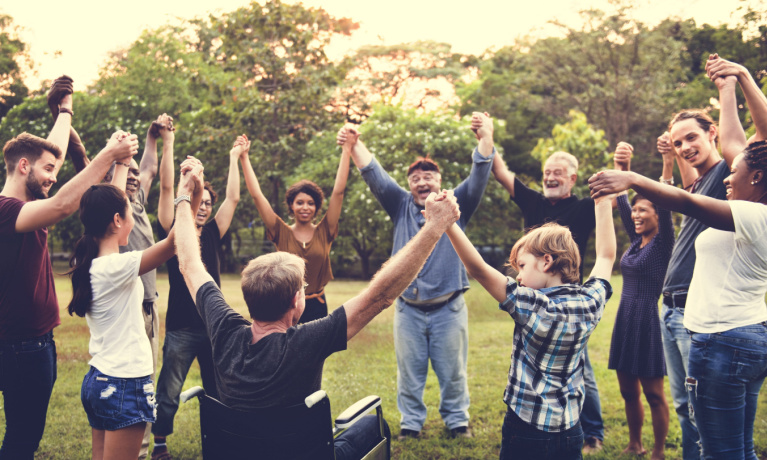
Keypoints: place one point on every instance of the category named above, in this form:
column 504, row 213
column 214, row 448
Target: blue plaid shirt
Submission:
column 443, row 271
column 552, row 327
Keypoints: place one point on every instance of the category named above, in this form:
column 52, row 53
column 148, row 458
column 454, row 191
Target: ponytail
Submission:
column 98, row 206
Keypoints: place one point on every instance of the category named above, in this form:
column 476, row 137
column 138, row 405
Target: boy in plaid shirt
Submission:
column 554, row 317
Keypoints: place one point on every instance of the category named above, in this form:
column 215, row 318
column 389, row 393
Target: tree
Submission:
column 14, row 59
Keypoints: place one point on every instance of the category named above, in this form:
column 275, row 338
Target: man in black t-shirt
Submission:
column 272, row 361
column 558, row 204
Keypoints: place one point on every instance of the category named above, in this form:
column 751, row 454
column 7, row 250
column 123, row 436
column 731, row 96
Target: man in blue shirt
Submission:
column 431, row 321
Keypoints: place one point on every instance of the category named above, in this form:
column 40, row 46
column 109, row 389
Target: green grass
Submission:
column 369, row 367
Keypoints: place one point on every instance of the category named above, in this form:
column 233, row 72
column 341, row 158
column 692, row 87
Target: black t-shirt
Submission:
column 576, row 214
column 182, row 313
column 280, row 369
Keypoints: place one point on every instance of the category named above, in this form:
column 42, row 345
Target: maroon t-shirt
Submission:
column 28, row 304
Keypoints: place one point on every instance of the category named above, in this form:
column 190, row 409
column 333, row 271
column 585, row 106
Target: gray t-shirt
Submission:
column 281, row 369
column 680, row 267
column 141, row 238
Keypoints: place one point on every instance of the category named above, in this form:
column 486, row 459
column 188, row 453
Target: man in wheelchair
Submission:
column 270, row 362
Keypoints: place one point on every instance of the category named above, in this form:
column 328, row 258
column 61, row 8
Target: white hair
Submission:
column 568, row 158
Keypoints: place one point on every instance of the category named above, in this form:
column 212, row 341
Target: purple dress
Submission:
column 637, row 346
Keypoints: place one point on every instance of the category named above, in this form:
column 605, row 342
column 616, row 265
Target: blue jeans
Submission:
column 178, row 352
column 27, row 375
column 359, row 438
column 676, row 348
column 591, row 414
column 522, row 441
column 726, row 371
column 441, row 336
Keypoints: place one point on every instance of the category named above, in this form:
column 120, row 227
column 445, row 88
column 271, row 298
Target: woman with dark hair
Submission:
column 304, row 238
column 725, row 309
column 117, row 392
column 636, row 350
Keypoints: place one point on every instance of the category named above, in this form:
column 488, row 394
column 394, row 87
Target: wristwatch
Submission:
column 182, row 198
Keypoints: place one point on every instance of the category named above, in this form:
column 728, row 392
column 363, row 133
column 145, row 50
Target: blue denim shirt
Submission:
column 443, row 272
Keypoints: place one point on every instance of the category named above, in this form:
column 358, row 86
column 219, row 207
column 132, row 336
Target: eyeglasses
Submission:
column 206, row 204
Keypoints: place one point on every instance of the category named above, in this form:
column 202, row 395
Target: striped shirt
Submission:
column 545, row 386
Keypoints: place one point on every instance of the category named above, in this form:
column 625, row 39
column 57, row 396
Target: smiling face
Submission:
column 558, row 180
column 738, row 183
column 531, row 270
column 422, row 183
column 645, row 218
column 41, row 176
column 134, row 181
column 304, row 208
column 694, row 143
column 205, row 209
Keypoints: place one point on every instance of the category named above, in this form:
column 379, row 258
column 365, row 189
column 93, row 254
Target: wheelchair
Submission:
column 301, row 431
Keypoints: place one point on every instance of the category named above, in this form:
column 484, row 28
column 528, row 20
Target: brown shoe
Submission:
column 461, row 432
column 592, row 446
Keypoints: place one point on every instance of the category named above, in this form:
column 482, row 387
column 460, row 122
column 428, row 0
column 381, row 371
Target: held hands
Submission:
column 605, row 184
column 482, row 125
column 722, row 72
column 163, row 128
column 60, row 94
column 240, row 147
column 121, row 146
column 622, row 156
column 191, row 180
column 347, row 136
column 442, row 209
column 664, row 145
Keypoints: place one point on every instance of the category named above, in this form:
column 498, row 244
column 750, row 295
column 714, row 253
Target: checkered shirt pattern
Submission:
column 552, row 327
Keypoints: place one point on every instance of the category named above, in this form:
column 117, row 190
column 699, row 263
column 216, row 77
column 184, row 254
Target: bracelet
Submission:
column 666, row 181
column 182, row 198
column 127, row 165
column 66, row 110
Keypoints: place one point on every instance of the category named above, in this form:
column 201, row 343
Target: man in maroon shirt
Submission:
column 29, row 309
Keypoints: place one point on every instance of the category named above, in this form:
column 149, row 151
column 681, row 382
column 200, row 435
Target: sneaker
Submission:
column 592, row 446
column 461, row 432
column 405, row 434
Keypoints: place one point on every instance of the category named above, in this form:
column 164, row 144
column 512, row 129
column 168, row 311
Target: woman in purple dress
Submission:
column 636, row 351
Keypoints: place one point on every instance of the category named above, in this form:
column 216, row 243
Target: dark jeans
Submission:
column 522, row 441
column 359, row 438
column 725, row 372
column 27, row 375
column 315, row 309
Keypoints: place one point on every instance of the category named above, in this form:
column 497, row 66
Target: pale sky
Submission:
column 75, row 36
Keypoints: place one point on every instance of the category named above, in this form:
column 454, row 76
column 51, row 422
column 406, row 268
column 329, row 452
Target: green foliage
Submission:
column 14, row 58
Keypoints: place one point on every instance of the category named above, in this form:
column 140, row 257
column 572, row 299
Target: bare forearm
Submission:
column 165, row 205
column 491, row 279
column 262, row 204
column 233, row 181
column 60, row 136
column 76, row 151
column 188, row 248
column 668, row 167
column 120, row 176
column 361, row 155
column 149, row 161
column 604, row 243
column 502, row 174
column 731, row 134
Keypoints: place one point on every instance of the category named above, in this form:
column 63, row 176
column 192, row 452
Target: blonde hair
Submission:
column 269, row 283
column 555, row 240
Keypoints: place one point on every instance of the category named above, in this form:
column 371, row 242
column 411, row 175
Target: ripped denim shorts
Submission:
column 112, row 403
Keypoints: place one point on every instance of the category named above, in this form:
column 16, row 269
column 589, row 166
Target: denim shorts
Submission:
column 112, row 403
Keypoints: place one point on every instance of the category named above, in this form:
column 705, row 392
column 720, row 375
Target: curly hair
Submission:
column 755, row 156
column 556, row 241
column 308, row 187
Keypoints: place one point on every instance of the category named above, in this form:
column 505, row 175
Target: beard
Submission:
column 35, row 188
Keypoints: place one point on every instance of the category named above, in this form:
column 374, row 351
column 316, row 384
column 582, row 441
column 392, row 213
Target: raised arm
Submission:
column 165, row 206
column 491, row 279
column 120, row 174
column 717, row 67
column 732, row 138
column 186, row 240
column 396, row 274
column 503, row 175
column 339, row 187
column 360, row 154
column 254, row 188
column 60, row 133
column 482, row 125
column 43, row 213
column 669, row 153
column 149, row 164
column 710, row 211
column 604, row 241
column 225, row 212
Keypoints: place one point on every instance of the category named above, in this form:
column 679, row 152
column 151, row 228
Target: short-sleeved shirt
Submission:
column 316, row 252
column 182, row 313
column 552, row 326
column 730, row 278
column 119, row 345
column 28, row 304
column 572, row 212
column 680, row 267
column 142, row 237
column 280, row 369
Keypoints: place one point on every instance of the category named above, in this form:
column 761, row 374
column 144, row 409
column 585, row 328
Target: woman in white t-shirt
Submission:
column 726, row 311
column 117, row 393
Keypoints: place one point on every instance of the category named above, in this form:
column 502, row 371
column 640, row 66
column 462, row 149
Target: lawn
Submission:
column 368, row 367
